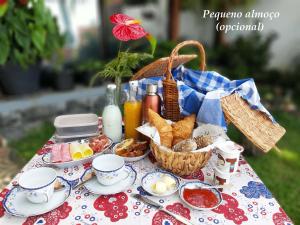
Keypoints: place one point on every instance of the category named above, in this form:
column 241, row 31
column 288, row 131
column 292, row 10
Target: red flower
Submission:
column 196, row 175
column 177, row 208
column 280, row 218
column 113, row 206
column 87, row 165
column 2, row 2
column 43, row 150
column 46, row 148
column 230, row 209
column 127, row 28
column 2, row 196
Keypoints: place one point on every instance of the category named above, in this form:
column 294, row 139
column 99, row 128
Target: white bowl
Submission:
column 151, row 178
column 131, row 159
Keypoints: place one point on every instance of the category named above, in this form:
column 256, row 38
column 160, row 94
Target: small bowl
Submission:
column 131, row 159
column 150, row 178
column 197, row 185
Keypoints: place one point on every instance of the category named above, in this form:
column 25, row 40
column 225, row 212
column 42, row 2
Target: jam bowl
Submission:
column 197, row 197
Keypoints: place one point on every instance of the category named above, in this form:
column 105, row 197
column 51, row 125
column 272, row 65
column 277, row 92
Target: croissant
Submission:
column 164, row 129
column 183, row 129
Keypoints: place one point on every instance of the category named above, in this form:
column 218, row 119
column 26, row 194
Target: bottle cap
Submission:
column 151, row 89
column 111, row 87
column 133, row 85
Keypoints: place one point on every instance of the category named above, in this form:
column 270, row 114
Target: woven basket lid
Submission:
column 255, row 125
column 159, row 67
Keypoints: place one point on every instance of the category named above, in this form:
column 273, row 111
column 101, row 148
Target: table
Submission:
column 247, row 202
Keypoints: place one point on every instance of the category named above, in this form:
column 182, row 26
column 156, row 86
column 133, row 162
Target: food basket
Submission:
column 181, row 163
column 255, row 125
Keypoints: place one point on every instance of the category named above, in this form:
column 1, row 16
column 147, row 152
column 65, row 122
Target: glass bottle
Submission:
column 132, row 112
column 111, row 116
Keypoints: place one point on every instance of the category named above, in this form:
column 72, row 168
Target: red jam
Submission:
column 202, row 198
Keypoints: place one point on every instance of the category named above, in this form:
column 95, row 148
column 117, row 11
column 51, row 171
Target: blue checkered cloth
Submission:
column 200, row 93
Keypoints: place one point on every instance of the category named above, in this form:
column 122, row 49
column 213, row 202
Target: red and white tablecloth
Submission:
column 247, row 202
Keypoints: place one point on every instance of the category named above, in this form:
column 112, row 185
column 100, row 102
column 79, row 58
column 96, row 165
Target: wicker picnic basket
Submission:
column 255, row 125
column 181, row 163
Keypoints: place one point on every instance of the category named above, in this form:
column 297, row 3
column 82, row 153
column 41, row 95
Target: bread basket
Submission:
column 181, row 163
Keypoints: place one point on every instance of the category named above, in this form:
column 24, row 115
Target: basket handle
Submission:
column 175, row 53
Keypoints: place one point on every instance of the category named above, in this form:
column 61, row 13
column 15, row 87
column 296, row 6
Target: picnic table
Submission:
column 248, row 201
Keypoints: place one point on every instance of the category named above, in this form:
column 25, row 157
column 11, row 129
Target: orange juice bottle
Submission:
column 132, row 112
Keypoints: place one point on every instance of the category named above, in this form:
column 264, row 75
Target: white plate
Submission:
column 95, row 187
column 151, row 178
column 199, row 184
column 16, row 203
column 131, row 159
column 47, row 158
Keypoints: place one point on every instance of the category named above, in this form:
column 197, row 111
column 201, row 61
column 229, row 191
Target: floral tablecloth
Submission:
column 247, row 202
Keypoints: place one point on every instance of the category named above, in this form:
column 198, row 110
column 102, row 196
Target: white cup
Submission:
column 38, row 184
column 110, row 169
column 221, row 178
column 228, row 156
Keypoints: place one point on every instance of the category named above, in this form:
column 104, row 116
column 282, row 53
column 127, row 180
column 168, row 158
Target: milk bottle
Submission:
column 111, row 116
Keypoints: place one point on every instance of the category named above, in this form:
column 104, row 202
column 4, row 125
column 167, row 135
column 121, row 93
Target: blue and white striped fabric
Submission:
column 200, row 93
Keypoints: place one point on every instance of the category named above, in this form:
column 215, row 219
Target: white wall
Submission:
column 287, row 26
column 82, row 13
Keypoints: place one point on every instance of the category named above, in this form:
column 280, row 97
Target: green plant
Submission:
column 122, row 66
column 28, row 32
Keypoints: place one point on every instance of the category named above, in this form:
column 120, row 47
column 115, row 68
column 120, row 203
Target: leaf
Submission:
column 22, row 40
column 5, row 47
column 153, row 42
column 38, row 38
column 20, row 58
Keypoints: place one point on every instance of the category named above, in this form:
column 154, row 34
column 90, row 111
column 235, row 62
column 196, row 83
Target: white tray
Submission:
column 47, row 158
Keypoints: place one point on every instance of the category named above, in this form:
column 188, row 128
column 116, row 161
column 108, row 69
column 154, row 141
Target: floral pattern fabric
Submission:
column 255, row 190
column 53, row 217
column 247, row 202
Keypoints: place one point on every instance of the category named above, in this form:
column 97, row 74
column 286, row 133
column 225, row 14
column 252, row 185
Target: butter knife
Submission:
column 161, row 208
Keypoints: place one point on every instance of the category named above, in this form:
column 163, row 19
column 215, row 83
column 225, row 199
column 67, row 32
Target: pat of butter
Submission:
column 169, row 181
column 159, row 187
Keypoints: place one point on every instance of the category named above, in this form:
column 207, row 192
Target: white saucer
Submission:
column 151, row 178
column 16, row 203
column 95, row 187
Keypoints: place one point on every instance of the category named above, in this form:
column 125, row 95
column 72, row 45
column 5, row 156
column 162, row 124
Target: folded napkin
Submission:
column 200, row 93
